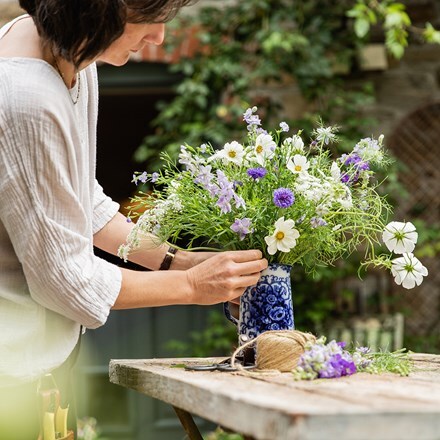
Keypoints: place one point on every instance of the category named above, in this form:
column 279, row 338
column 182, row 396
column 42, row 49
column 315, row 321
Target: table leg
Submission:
column 188, row 424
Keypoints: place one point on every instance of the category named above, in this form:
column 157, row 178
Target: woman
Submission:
column 52, row 210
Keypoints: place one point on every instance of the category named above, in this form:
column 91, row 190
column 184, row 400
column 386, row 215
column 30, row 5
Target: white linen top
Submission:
column 50, row 206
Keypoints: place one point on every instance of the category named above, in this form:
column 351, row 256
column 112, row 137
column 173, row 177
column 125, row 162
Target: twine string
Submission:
column 276, row 349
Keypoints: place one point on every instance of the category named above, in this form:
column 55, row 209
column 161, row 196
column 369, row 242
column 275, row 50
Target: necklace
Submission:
column 78, row 81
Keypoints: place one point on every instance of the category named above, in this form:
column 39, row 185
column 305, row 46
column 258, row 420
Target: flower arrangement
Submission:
column 294, row 202
column 331, row 360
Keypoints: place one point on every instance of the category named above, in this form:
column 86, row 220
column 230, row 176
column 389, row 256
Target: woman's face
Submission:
column 134, row 38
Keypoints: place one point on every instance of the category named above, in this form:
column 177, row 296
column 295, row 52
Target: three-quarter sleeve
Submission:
column 104, row 208
column 51, row 206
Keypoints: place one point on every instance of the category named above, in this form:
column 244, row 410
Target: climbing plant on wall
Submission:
column 247, row 45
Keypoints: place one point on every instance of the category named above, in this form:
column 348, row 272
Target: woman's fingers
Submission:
column 225, row 276
column 242, row 256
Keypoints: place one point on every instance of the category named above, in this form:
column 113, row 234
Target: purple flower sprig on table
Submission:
column 333, row 360
column 325, row 361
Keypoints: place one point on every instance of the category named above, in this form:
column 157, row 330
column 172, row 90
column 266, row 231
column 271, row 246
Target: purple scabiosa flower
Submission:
column 256, row 173
column 283, row 197
column 242, row 227
column 284, row 126
column 316, row 222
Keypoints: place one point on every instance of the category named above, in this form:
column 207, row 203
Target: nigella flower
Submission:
column 154, row 177
column 284, row 126
column 325, row 134
column 203, row 148
column 400, row 237
column 408, row 271
column 242, row 227
column 283, row 197
column 369, row 149
column 256, row 173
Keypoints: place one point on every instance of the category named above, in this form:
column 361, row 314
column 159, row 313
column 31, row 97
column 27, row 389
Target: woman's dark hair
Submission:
column 80, row 30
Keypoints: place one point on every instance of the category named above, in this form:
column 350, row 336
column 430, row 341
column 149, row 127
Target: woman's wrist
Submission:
column 168, row 258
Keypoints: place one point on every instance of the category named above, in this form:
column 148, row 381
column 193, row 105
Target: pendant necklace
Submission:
column 78, row 80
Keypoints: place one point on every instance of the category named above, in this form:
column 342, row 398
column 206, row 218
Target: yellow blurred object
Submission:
column 49, row 426
column 61, row 421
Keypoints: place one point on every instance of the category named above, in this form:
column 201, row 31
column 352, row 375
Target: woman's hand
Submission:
column 224, row 276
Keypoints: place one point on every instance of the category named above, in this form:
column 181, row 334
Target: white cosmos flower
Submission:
column 293, row 144
column 298, row 164
column 408, row 271
column 231, row 152
column 400, row 237
column 335, row 171
column 264, row 148
column 284, row 237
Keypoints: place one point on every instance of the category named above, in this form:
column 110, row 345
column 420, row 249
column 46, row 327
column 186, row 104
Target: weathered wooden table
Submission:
column 275, row 407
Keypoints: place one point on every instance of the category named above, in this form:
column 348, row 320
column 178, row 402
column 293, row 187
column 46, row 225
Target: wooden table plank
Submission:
column 275, row 407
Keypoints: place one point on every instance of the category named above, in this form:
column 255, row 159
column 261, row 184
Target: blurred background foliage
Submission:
column 246, row 49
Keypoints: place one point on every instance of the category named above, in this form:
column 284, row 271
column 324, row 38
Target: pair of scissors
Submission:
column 221, row 366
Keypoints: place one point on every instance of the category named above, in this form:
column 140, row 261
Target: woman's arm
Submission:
column 115, row 232
column 223, row 277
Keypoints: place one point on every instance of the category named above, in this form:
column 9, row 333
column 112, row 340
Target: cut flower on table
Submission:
column 281, row 194
column 322, row 360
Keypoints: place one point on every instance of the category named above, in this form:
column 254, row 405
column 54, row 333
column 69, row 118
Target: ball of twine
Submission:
column 277, row 349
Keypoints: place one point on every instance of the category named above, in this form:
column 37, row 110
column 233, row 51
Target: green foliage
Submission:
column 217, row 339
column 397, row 362
column 219, row 434
column 395, row 21
column 249, row 46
